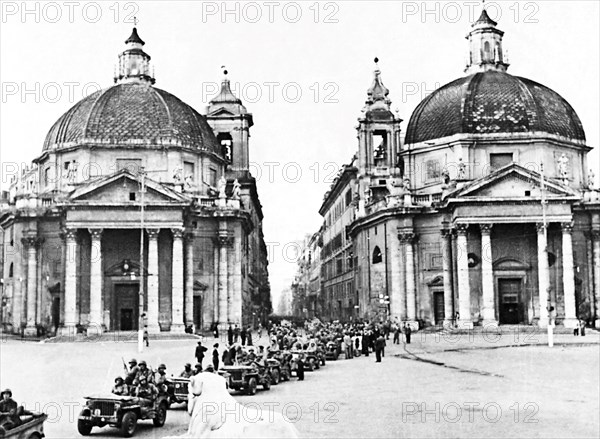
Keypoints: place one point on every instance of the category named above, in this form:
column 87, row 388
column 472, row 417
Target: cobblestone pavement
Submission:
column 468, row 388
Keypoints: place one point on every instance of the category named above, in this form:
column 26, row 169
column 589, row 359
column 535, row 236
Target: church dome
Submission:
column 493, row 102
column 132, row 113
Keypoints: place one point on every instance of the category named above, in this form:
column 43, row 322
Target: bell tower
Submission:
column 231, row 123
column 378, row 132
column 485, row 47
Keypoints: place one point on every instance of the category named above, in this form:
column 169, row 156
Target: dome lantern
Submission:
column 134, row 63
column 485, row 47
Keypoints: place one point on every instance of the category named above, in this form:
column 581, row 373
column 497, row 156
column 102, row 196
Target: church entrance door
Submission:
column 438, row 307
column 509, row 292
column 198, row 313
column 127, row 306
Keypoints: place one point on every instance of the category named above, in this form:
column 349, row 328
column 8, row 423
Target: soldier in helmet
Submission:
column 146, row 392
column 187, row 371
column 160, row 378
column 133, row 370
column 9, row 417
column 145, row 372
column 197, row 368
column 120, row 387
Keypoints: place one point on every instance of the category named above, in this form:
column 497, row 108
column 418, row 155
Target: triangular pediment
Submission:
column 124, row 187
column 222, row 112
column 513, row 181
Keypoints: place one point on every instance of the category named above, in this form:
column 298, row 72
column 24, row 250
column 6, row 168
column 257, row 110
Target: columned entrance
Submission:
column 126, row 307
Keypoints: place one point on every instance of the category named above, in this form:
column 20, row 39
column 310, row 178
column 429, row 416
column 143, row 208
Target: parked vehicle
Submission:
column 332, row 351
column 122, row 412
column 31, row 428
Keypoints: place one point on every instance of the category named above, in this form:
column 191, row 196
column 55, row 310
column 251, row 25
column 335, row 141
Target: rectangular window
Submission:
column 131, row 196
column 189, row 171
column 134, row 166
column 212, row 177
column 433, row 169
column 348, row 198
column 500, row 160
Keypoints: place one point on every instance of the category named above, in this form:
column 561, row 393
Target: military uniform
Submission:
column 146, row 393
column 121, row 389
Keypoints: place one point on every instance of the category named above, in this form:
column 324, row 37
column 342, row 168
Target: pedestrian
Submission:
column 249, row 336
column 236, row 333
column 146, row 338
column 229, row 336
column 582, row 328
column 379, row 345
column 215, row 356
column 226, row 358
column 300, row 368
column 216, row 330
column 260, row 329
column 200, row 350
column 396, row 334
column 365, row 344
column 243, row 336
column 407, row 333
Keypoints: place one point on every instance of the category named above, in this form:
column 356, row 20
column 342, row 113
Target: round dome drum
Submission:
column 132, row 113
column 493, row 102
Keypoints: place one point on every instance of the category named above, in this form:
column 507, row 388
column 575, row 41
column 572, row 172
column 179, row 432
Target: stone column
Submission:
column 408, row 239
column 464, row 288
column 153, row 281
column 487, row 275
column 570, row 320
column 596, row 268
column 224, row 242
column 177, row 282
column 189, row 280
column 31, row 243
column 397, row 304
column 447, row 273
column 96, row 318
column 70, row 319
column 543, row 274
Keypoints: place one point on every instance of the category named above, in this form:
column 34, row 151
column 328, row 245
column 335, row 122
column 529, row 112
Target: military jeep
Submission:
column 177, row 390
column 122, row 412
column 247, row 378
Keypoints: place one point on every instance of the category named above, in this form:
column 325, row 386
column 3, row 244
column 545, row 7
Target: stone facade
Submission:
column 486, row 214
column 147, row 206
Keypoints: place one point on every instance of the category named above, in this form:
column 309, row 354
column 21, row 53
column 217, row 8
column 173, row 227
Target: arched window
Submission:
column 486, row 50
column 377, row 257
column 10, row 270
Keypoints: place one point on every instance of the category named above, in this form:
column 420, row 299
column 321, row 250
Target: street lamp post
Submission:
column 142, row 176
column 548, row 300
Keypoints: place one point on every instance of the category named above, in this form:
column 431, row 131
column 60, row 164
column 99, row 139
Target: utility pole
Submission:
column 141, row 325
column 548, row 299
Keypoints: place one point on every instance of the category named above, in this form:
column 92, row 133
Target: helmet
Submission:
column 198, row 366
column 162, row 366
column 210, row 368
column 6, row 391
column 133, row 361
column 143, row 363
column 187, row 365
column 117, row 379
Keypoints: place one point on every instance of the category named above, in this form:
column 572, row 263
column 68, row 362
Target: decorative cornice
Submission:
column 153, row 233
column 96, row 234
column 541, row 227
column 407, row 237
column 177, row 233
column 486, row 229
column 567, row 227
column 461, row 229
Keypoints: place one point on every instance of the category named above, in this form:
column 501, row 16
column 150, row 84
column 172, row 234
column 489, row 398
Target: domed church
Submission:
column 484, row 213
column 139, row 210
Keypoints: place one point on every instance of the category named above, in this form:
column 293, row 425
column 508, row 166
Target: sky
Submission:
column 302, row 69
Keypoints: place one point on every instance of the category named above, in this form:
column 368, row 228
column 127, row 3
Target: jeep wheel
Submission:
column 267, row 382
column 84, row 427
column 251, row 387
column 275, row 377
column 161, row 415
column 128, row 424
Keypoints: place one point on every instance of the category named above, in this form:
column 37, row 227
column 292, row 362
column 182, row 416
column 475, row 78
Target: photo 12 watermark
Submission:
column 67, row 12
